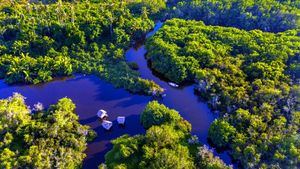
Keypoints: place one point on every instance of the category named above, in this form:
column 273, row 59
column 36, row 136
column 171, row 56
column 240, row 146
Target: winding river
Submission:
column 90, row 93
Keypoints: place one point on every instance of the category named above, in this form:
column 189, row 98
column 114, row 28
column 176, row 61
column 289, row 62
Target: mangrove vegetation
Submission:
column 250, row 77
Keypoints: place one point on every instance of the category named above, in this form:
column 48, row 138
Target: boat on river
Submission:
column 106, row 124
column 102, row 114
column 173, row 84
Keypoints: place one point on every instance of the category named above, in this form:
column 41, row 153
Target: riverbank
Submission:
column 90, row 94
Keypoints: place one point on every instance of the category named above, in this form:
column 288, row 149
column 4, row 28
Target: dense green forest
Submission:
column 266, row 15
column 38, row 138
column 242, row 55
column 166, row 144
column 248, row 76
column 41, row 41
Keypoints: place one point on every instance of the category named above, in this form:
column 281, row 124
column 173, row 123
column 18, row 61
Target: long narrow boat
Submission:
column 173, row 84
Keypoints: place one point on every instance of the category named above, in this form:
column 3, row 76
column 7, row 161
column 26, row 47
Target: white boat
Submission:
column 102, row 114
column 121, row 119
column 173, row 84
column 106, row 124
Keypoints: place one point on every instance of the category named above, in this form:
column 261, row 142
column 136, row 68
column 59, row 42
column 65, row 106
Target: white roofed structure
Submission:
column 102, row 114
column 121, row 119
column 106, row 124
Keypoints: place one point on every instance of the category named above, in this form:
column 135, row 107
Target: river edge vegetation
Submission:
column 251, row 82
column 250, row 77
column 41, row 41
column 38, row 138
column 166, row 144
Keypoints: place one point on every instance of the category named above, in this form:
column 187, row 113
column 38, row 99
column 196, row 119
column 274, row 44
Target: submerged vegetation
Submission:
column 166, row 144
column 42, row 41
column 249, row 76
column 38, row 138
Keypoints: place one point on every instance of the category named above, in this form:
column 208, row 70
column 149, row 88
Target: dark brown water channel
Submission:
column 90, row 94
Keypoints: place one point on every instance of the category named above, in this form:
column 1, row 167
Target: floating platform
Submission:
column 121, row 120
column 107, row 124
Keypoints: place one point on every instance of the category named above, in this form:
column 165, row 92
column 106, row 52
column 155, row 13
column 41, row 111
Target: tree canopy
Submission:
column 165, row 144
column 51, row 138
column 248, row 76
column 243, row 56
column 266, row 15
column 41, row 41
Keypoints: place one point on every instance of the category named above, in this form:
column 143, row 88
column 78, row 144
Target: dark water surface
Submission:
column 90, row 94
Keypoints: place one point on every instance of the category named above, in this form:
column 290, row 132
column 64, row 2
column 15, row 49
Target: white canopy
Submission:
column 106, row 124
column 102, row 113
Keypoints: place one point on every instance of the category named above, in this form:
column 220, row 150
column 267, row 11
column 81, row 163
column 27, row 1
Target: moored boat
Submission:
column 173, row 84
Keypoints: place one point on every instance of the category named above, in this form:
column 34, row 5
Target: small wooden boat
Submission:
column 106, row 124
column 121, row 120
column 173, row 84
column 102, row 114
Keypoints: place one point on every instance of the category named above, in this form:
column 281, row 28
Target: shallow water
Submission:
column 90, row 94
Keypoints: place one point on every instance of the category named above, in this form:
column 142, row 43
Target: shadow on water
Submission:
column 90, row 94
column 89, row 120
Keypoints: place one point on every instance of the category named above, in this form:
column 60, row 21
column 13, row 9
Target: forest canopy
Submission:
column 166, row 144
column 41, row 138
column 249, row 76
column 41, row 41
column 242, row 55
column 266, row 15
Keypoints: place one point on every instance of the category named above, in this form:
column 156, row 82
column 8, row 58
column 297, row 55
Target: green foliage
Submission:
column 266, row 15
column 221, row 132
column 249, row 76
column 157, row 114
column 165, row 144
column 153, row 6
column 126, row 150
column 43, row 41
column 45, row 139
column 205, row 159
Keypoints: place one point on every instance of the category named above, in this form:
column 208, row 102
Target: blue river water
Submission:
column 90, row 94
